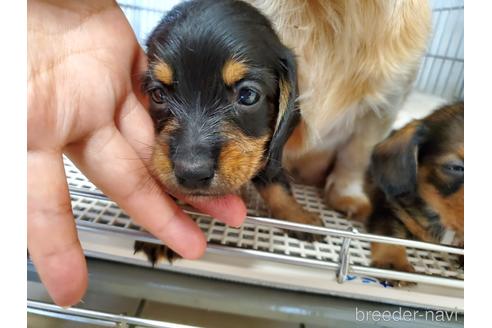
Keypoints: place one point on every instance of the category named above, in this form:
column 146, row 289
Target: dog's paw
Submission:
column 357, row 207
column 305, row 217
column 305, row 236
column 155, row 252
column 391, row 265
column 461, row 261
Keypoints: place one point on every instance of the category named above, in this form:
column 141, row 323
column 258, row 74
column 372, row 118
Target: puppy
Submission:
column 357, row 61
column 417, row 185
column 223, row 99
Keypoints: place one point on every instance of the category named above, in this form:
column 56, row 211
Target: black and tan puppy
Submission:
column 223, row 94
column 418, row 185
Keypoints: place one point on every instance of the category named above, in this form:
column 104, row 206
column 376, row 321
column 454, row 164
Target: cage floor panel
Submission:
column 103, row 213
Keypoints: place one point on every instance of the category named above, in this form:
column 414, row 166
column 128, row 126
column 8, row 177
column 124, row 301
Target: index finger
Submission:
column 51, row 235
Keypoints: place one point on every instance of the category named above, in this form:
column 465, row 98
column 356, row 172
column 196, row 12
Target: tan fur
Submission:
column 285, row 89
column 357, row 61
column 399, row 140
column 160, row 159
column 349, row 51
column 233, row 71
column 163, row 72
column 296, row 139
column 240, row 158
column 315, row 167
column 284, row 206
column 354, row 207
column 450, row 208
column 344, row 188
column 391, row 257
column 161, row 163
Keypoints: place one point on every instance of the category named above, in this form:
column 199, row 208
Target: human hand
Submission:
column 84, row 65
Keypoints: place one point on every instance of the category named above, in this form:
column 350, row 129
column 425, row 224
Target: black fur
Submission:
column 396, row 172
column 196, row 38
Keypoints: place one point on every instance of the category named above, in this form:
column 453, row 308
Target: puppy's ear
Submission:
column 288, row 114
column 394, row 162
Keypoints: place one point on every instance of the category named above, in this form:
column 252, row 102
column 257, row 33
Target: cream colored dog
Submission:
column 357, row 61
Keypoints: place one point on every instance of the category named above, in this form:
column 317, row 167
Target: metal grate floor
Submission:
column 263, row 238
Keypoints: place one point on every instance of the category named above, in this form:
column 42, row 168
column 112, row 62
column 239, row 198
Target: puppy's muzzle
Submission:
column 194, row 171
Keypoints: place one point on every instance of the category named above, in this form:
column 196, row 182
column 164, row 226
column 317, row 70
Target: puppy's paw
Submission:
column 393, row 265
column 356, row 206
column 461, row 261
column 391, row 257
column 155, row 252
column 304, row 236
column 305, row 217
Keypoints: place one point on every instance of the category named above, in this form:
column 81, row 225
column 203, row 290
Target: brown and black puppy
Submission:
column 223, row 94
column 417, row 185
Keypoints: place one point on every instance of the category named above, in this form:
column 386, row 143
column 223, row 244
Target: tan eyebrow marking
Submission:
column 233, row 71
column 163, row 72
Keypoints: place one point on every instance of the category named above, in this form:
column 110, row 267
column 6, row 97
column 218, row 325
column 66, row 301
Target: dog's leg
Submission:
column 344, row 188
column 385, row 256
column 391, row 257
column 278, row 196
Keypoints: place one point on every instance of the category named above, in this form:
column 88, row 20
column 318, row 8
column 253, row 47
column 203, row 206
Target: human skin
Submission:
column 84, row 65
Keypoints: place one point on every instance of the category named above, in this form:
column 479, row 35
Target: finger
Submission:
column 51, row 235
column 137, row 128
column 109, row 161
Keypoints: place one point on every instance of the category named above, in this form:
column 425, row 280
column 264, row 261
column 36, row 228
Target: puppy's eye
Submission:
column 157, row 96
column 247, row 97
column 455, row 169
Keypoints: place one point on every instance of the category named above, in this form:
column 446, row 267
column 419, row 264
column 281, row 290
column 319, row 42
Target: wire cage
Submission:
column 264, row 254
column 441, row 72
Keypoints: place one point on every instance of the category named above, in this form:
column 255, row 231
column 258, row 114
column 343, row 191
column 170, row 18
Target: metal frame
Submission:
column 353, row 234
column 95, row 317
column 127, row 280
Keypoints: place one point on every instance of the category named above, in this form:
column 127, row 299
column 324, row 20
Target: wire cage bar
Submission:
column 442, row 69
column 93, row 317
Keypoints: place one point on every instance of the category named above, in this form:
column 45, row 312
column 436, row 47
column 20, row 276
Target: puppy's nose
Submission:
column 194, row 174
